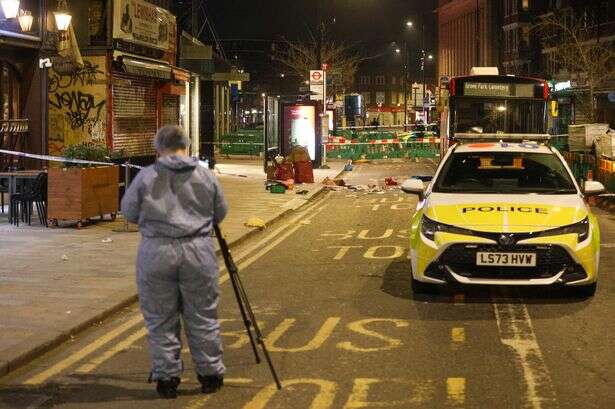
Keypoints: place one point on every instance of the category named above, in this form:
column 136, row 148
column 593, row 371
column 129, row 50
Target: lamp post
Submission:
column 409, row 25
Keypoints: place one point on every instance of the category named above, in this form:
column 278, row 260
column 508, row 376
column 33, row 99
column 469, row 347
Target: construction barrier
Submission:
column 582, row 165
column 606, row 174
column 243, row 142
column 342, row 148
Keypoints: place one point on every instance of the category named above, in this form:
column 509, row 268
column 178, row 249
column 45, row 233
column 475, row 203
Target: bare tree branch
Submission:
column 575, row 50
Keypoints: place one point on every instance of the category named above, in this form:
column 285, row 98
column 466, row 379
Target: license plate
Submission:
column 506, row 259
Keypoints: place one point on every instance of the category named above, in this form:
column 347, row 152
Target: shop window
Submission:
column 380, row 98
column 9, row 92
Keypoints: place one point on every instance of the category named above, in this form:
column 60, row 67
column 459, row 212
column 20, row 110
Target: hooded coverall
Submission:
column 175, row 203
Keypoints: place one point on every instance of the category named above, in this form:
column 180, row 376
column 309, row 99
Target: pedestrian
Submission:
column 176, row 202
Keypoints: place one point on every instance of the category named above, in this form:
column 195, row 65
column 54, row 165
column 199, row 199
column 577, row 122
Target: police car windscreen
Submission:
column 504, row 173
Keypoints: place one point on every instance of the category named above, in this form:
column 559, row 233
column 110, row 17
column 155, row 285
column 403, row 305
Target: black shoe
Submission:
column 167, row 389
column 211, row 383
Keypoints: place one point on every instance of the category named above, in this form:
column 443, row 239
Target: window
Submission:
column 380, row 80
column 504, row 173
column 364, row 80
column 393, row 80
column 9, row 92
column 366, row 98
column 525, row 4
column 380, row 98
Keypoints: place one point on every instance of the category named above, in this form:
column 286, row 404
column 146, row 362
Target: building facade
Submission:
column 469, row 35
column 521, row 44
column 24, row 46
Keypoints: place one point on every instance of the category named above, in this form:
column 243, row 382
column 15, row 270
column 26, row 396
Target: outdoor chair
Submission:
column 34, row 195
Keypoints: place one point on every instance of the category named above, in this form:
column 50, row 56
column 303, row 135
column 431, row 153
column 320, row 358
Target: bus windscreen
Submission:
column 498, row 115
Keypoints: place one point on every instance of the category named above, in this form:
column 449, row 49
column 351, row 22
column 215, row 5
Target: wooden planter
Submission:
column 78, row 194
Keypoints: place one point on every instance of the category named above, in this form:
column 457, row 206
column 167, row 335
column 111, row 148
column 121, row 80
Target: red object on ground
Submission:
column 390, row 181
column 304, row 172
column 284, row 171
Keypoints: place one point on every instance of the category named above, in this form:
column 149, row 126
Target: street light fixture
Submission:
column 409, row 24
column 25, row 20
column 10, row 8
column 62, row 16
column 430, row 56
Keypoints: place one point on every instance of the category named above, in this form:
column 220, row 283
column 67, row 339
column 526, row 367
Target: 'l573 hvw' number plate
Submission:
column 506, row 259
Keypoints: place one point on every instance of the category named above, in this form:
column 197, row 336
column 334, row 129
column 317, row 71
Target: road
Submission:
column 330, row 288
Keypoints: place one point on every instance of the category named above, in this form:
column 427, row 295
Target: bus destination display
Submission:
column 491, row 89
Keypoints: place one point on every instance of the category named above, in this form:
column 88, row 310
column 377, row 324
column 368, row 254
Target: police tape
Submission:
column 346, row 142
column 50, row 158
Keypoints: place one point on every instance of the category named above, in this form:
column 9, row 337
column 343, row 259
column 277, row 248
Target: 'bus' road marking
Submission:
column 516, row 332
column 138, row 318
column 198, row 402
column 82, row 353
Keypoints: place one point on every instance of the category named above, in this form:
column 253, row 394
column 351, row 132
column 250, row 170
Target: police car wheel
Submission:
column 419, row 287
column 584, row 291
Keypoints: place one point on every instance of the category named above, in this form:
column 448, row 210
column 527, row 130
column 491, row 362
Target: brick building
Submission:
column 469, row 34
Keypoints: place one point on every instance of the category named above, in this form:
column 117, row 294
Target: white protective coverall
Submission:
column 175, row 203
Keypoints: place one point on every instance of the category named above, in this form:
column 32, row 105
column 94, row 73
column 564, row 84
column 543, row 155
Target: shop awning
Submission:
column 146, row 68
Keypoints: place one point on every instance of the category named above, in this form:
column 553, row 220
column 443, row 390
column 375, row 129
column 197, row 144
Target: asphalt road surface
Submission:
column 330, row 286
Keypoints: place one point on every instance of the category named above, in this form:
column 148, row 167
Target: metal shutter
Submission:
column 170, row 109
column 134, row 114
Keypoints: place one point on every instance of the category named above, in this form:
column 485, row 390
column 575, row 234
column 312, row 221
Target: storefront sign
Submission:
column 142, row 23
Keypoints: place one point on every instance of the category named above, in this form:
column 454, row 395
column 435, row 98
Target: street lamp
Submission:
column 25, row 20
column 409, row 24
column 10, row 8
column 62, row 16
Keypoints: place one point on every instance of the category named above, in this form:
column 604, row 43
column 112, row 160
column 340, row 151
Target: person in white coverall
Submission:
column 175, row 202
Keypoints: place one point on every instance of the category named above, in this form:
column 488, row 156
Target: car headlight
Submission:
column 429, row 228
column 581, row 229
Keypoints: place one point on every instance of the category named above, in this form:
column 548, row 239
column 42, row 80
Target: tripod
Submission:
column 245, row 308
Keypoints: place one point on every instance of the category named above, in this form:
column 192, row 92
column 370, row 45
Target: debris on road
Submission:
column 107, row 240
column 255, row 222
column 64, row 257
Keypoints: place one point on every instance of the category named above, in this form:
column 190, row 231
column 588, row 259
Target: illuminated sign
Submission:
column 300, row 127
column 491, row 89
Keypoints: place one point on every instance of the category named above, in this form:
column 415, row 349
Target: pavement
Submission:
column 56, row 282
column 330, row 288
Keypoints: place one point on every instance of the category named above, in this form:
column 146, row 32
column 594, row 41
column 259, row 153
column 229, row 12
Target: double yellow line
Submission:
column 273, row 239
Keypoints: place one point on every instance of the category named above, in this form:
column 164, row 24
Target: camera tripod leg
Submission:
column 247, row 320
column 252, row 319
column 244, row 305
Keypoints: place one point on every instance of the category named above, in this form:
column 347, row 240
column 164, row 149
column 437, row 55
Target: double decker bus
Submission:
column 490, row 104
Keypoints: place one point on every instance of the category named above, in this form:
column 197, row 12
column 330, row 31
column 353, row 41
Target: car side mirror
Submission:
column 592, row 188
column 415, row 187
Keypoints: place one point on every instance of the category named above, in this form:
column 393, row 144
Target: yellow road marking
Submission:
column 458, row 335
column 95, row 363
column 323, row 400
column 201, row 400
column 82, row 353
column 90, row 348
column 456, row 390
column 321, row 336
column 359, row 327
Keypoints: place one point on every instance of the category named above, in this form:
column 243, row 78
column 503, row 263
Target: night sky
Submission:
column 367, row 25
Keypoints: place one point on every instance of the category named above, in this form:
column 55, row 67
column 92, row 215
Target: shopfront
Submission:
column 22, row 84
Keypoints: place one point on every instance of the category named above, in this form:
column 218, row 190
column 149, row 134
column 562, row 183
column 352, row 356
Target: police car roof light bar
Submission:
column 503, row 137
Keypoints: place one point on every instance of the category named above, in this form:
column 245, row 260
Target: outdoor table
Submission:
column 13, row 176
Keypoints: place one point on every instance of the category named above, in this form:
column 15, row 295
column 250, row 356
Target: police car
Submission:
column 504, row 213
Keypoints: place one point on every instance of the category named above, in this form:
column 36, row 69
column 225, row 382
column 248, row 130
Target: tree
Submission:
column 301, row 57
column 575, row 48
